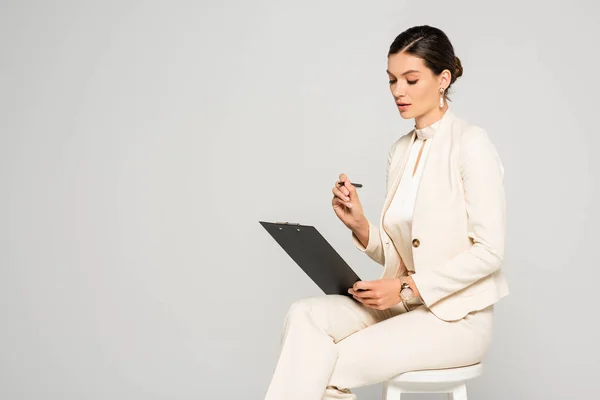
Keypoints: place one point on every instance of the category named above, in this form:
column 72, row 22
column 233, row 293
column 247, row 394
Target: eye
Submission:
column 412, row 82
column 392, row 81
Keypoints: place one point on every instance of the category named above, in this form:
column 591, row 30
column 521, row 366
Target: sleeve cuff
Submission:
column 373, row 236
column 427, row 294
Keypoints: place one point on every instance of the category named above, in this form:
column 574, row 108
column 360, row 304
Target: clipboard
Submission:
column 317, row 258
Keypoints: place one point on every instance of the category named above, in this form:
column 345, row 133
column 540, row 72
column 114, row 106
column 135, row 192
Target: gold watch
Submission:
column 406, row 292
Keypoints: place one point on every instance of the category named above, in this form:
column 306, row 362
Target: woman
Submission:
column 440, row 240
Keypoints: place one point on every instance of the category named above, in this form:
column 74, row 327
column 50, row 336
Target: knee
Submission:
column 315, row 307
column 301, row 306
column 298, row 312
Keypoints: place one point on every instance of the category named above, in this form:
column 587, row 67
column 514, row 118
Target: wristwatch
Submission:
column 406, row 293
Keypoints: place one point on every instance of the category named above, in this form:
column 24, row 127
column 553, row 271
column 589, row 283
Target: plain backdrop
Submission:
column 142, row 141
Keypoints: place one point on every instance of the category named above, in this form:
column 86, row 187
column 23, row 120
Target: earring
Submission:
column 441, row 97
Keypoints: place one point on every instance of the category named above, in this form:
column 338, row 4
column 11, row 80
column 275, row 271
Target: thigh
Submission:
column 410, row 341
column 337, row 315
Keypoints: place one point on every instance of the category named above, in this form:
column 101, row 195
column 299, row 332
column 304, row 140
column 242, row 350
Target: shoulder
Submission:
column 470, row 136
column 474, row 143
column 464, row 129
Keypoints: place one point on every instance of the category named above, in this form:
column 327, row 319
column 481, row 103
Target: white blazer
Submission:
column 459, row 221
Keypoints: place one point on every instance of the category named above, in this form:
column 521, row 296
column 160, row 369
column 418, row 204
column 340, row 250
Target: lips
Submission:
column 403, row 106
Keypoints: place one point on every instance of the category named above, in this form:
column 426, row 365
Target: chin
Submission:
column 406, row 114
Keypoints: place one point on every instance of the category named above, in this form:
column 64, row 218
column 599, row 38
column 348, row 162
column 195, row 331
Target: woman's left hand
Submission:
column 381, row 294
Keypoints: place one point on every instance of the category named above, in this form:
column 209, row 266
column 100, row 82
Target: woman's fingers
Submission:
column 344, row 194
column 363, row 294
column 338, row 202
column 339, row 193
column 340, row 197
column 342, row 188
column 343, row 184
column 351, row 191
column 373, row 303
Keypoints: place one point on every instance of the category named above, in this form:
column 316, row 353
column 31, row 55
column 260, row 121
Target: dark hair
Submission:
column 433, row 46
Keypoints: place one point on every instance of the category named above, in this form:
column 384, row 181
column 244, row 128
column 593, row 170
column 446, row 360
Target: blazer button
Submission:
column 416, row 242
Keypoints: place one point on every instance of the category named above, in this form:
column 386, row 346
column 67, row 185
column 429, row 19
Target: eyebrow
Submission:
column 404, row 73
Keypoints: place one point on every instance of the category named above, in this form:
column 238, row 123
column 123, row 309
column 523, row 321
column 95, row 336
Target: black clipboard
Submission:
column 317, row 258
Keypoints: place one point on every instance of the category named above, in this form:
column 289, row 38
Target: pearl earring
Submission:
column 441, row 97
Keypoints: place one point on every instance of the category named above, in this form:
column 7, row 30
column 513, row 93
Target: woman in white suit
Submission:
column 440, row 240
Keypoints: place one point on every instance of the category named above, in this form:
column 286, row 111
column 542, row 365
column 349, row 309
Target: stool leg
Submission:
column 391, row 392
column 459, row 393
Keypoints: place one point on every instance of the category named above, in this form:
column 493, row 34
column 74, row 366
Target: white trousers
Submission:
column 332, row 343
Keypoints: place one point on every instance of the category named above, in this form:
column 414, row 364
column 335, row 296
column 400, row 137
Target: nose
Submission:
column 397, row 91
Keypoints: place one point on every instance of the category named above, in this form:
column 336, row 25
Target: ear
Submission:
column 445, row 78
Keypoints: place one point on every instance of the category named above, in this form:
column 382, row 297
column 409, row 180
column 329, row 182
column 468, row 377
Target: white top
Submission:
column 398, row 218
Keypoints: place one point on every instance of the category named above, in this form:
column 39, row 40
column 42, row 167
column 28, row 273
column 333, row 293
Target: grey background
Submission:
column 141, row 141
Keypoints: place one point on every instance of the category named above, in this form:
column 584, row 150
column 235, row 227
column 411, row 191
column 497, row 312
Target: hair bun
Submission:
column 458, row 71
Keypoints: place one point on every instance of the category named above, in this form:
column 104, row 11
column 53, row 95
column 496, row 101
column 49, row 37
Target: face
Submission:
column 412, row 83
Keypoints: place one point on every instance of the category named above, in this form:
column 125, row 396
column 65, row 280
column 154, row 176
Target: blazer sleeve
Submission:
column 482, row 174
column 374, row 247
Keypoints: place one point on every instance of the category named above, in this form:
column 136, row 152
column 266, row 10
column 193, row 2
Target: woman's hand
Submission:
column 346, row 203
column 382, row 293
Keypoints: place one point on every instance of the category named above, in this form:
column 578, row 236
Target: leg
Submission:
column 311, row 330
column 460, row 393
column 410, row 341
column 391, row 392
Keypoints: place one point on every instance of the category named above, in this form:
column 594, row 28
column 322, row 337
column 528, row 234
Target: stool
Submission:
column 451, row 381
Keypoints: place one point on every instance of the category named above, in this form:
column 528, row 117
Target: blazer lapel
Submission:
column 425, row 178
column 397, row 174
column 425, row 190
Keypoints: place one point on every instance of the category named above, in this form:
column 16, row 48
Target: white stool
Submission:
column 451, row 381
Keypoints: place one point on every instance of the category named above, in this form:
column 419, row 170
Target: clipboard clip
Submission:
column 296, row 224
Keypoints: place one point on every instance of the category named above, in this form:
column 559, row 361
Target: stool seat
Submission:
column 440, row 375
column 450, row 380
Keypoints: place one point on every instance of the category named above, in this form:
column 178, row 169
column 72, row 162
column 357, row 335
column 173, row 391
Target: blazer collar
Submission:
column 428, row 131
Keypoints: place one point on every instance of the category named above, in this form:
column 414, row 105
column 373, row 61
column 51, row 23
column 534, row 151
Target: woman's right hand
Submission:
column 346, row 203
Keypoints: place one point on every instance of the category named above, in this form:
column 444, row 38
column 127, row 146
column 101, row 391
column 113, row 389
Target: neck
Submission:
column 430, row 117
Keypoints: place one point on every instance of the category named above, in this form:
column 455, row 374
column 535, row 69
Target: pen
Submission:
column 358, row 185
